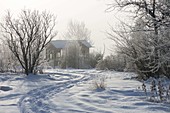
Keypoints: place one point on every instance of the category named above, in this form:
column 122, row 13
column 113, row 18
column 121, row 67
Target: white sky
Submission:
column 91, row 12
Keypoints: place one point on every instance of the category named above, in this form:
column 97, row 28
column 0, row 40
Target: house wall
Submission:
column 53, row 55
column 84, row 50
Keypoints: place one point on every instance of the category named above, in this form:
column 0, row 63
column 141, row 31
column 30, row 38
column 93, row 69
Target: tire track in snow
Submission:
column 37, row 100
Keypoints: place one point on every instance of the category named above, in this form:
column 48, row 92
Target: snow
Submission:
column 72, row 91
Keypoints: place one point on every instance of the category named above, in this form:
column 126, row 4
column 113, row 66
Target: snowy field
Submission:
column 72, row 91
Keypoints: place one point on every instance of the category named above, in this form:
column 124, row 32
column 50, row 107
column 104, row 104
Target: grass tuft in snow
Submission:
column 99, row 83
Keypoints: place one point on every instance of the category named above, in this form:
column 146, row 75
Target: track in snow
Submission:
column 37, row 100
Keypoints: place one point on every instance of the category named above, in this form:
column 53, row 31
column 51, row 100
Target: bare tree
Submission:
column 155, row 13
column 146, row 49
column 28, row 35
column 77, row 31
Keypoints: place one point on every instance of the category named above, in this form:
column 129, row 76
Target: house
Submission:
column 58, row 50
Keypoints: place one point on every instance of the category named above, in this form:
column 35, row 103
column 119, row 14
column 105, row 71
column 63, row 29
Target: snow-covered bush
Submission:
column 112, row 62
column 148, row 59
column 94, row 58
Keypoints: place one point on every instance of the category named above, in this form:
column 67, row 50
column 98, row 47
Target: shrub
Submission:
column 159, row 91
column 112, row 62
column 94, row 58
column 99, row 83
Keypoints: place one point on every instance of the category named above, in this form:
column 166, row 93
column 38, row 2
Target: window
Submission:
column 58, row 54
column 51, row 55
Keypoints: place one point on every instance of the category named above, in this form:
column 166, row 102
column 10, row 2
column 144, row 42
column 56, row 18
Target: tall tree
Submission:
column 27, row 35
column 77, row 31
column 155, row 16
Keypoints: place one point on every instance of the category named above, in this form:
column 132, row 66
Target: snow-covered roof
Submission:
column 59, row 43
column 63, row 43
column 87, row 44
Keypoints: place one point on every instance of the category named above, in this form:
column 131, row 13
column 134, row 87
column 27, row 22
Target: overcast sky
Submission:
column 91, row 12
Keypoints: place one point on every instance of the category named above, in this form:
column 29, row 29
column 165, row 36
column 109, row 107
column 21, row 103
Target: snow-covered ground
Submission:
column 72, row 91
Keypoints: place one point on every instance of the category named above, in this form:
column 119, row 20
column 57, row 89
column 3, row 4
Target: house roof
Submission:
column 62, row 43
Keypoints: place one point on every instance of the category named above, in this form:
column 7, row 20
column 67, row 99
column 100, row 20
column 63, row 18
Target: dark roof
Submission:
column 63, row 43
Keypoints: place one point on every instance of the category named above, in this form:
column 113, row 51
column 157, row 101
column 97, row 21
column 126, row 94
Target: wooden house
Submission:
column 59, row 49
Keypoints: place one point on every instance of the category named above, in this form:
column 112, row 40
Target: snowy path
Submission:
column 37, row 100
